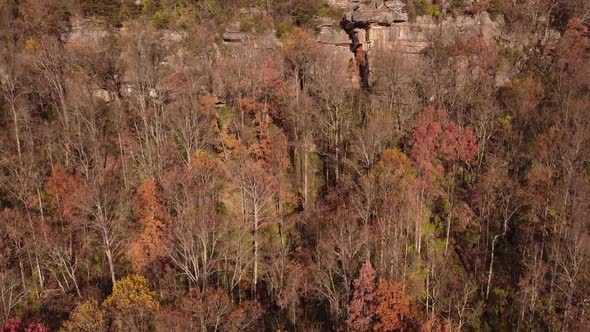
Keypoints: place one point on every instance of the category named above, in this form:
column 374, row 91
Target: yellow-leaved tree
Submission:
column 87, row 317
column 132, row 305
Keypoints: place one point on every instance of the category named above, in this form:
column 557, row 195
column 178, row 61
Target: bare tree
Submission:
column 335, row 120
column 258, row 190
column 11, row 294
column 508, row 209
column 105, row 207
column 199, row 231
column 338, row 255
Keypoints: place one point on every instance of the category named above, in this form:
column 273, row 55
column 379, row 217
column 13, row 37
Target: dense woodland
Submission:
column 261, row 189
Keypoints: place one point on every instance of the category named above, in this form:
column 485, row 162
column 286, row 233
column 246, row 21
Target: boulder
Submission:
column 102, row 94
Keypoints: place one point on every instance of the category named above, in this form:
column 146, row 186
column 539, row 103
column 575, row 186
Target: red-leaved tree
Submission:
column 439, row 142
column 360, row 309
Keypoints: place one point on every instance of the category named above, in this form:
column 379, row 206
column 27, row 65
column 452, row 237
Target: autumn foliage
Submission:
column 439, row 143
column 151, row 244
column 87, row 317
column 361, row 315
column 381, row 306
column 392, row 311
column 66, row 193
column 223, row 165
column 132, row 304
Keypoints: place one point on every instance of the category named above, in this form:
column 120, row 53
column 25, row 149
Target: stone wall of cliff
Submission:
column 379, row 27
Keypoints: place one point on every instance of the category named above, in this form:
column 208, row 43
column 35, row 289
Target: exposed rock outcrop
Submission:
column 330, row 33
column 233, row 34
column 387, row 13
column 379, row 26
column 386, row 27
column 336, row 45
column 85, row 31
column 341, row 3
column 383, row 26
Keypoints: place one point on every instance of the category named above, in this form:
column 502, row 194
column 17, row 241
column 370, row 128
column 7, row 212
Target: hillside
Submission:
column 294, row 165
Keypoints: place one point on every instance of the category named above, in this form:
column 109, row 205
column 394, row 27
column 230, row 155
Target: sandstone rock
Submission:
column 233, row 34
column 377, row 16
column 333, row 36
column 323, row 21
column 266, row 40
column 340, row 3
column 385, row 28
column 102, row 94
column 387, row 13
column 502, row 77
column 233, row 37
column 341, row 58
column 169, row 36
column 84, row 31
column 401, row 38
column 481, row 25
column 404, row 37
column 331, row 33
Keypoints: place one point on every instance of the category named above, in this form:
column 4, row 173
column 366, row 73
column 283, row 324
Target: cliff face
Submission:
column 412, row 38
column 384, row 26
column 378, row 26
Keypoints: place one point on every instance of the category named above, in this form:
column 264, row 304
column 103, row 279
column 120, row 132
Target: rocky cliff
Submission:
column 378, row 26
column 384, row 26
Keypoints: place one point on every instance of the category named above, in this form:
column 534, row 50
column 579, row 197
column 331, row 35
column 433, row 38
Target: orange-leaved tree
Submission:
column 65, row 192
column 151, row 243
column 392, row 308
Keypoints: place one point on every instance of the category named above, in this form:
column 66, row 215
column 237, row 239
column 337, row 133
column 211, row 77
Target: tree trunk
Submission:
column 255, row 277
column 305, row 179
column 449, row 217
column 109, row 254
column 16, row 131
column 491, row 270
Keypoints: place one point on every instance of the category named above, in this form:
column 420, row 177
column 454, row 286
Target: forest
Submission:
column 234, row 165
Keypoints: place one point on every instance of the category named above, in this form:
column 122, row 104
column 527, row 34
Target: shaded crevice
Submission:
column 362, row 60
column 359, row 50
